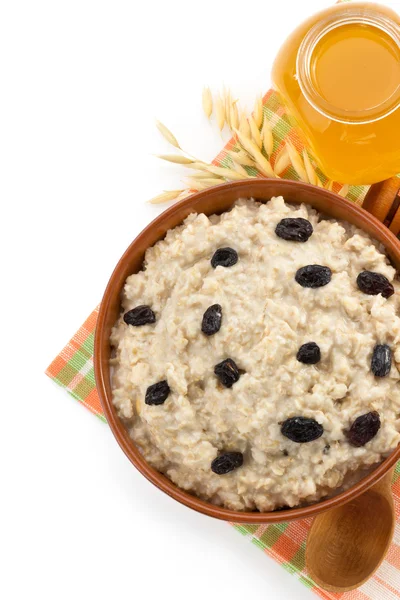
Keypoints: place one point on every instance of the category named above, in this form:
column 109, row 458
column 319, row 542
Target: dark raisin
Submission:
column 313, row 276
column 227, row 372
column 364, row 429
column 326, row 449
column 227, row 462
column 285, row 453
column 224, row 257
column 374, row 283
column 141, row 315
column 212, row 319
column 294, row 230
column 157, row 393
column 309, row 353
column 381, row 362
column 301, row 429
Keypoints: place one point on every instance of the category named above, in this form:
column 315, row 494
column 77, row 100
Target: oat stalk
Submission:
column 282, row 161
column 244, row 126
column 203, row 184
column 311, row 174
column 165, row 132
column 263, row 165
column 255, row 132
column 220, row 112
column 239, row 169
column 225, row 172
column 166, row 196
column 176, row 158
column 234, row 115
column 228, row 102
column 297, row 162
column 258, row 112
column 329, row 185
column 242, row 158
column 267, row 138
column 198, row 175
column 207, row 101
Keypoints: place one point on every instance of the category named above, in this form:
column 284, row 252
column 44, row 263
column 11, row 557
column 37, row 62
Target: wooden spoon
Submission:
column 346, row 545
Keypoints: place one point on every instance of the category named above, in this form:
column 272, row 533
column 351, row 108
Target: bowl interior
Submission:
column 217, row 200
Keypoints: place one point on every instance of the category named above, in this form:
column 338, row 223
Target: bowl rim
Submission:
column 101, row 367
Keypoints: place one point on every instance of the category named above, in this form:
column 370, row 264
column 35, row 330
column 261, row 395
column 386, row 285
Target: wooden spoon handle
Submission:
column 383, row 201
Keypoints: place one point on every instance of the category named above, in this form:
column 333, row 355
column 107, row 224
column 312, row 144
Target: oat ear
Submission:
column 165, row 132
column 207, row 102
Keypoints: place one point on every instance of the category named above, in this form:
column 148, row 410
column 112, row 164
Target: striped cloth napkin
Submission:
column 73, row 370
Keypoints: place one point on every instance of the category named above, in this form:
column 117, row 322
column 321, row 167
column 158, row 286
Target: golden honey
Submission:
column 339, row 74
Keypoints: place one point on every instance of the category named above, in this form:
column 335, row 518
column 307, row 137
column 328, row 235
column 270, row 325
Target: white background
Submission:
column 81, row 83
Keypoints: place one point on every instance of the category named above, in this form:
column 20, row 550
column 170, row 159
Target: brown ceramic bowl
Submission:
column 217, row 200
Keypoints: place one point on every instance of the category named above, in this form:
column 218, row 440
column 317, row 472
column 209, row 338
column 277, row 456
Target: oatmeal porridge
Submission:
column 256, row 357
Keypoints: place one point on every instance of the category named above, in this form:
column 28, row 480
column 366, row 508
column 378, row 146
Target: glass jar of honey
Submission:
column 339, row 75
